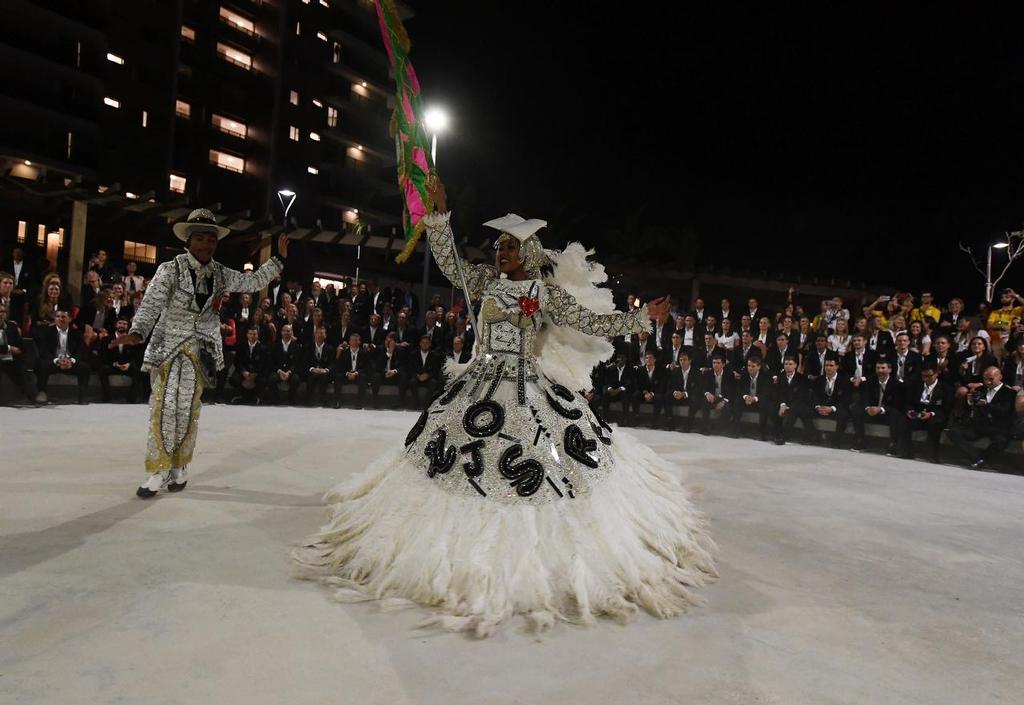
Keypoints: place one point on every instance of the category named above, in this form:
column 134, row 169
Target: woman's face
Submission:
column 763, row 324
column 977, row 346
column 53, row 291
column 841, row 327
column 506, row 257
column 915, row 328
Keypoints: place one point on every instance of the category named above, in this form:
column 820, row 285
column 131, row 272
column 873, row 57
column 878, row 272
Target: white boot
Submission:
column 178, row 480
column 153, row 484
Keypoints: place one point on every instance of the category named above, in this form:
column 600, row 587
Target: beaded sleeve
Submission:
column 252, row 281
column 562, row 309
column 439, row 236
column 154, row 301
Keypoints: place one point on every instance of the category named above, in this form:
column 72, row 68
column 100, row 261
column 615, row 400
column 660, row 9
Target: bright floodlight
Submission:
column 436, row 120
column 287, row 198
column 1001, row 246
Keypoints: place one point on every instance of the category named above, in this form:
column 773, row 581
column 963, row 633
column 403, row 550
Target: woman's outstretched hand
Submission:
column 437, row 193
column 658, row 307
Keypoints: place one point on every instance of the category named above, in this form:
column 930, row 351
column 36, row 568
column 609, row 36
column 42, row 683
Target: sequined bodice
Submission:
column 505, row 327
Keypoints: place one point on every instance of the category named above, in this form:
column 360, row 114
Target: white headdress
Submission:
column 530, row 249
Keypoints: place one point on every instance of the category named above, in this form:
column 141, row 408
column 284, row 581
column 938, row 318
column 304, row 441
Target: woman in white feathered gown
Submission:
column 509, row 496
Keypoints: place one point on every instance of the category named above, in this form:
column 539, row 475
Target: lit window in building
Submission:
column 298, row 29
column 312, row 170
column 235, row 56
column 237, row 21
column 321, row 36
column 139, row 252
column 78, row 54
column 70, row 140
column 293, row 133
column 177, row 183
column 187, row 33
column 227, row 161
column 41, row 235
column 332, row 116
column 182, row 109
column 22, row 227
column 325, row 3
column 293, row 97
column 336, row 53
column 314, row 136
column 317, row 103
column 114, row 58
column 129, row 194
column 145, row 119
column 232, row 127
column 112, row 102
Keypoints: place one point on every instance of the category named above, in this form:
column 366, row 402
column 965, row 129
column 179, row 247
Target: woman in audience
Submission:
column 973, row 363
column 49, row 302
column 839, row 342
column 920, row 341
column 728, row 339
column 764, row 338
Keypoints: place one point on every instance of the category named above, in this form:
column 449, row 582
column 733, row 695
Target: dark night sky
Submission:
column 863, row 147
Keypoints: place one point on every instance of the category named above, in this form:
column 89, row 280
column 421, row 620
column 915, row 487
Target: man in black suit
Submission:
column 423, row 372
column 814, row 361
column 317, row 365
column 361, row 307
column 661, row 333
column 906, row 363
column 12, row 302
column 618, row 384
column 992, row 414
column 26, row 277
column 373, row 337
column 354, row 366
column 682, row 396
column 946, row 361
column 252, row 362
column 879, row 341
column 12, row 354
column 121, row 360
column 670, row 356
column 726, row 313
column 831, row 397
column 390, row 368
column 435, row 328
column 777, row 355
column 754, row 393
column 406, row 334
column 285, row 363
column 692, row 335
column 755, row 312
column 858, row 365
column 881, row 401
column 739, row 355
column 699, row 314
column 639, row 346
column 650, row 387
column 792, row 401
column 929, row 401
column 61, row 351
column 705, row 355
column 717, row 390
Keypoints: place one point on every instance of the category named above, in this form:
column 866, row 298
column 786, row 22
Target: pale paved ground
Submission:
column 844, row 579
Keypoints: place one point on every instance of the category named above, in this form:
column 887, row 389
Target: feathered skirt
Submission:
column 510, row 497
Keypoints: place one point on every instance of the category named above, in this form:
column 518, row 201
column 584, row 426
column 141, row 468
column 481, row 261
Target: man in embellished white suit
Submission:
column 180, row 309
column 510, row 497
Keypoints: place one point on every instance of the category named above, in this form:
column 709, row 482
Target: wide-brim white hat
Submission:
column 199, row 219
column 516, row 226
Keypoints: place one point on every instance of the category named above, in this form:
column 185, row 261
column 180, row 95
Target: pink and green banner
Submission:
column 411, row 142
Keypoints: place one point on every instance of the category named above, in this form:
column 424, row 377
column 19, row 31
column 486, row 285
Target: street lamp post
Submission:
column 435, row 120
column 988, row 270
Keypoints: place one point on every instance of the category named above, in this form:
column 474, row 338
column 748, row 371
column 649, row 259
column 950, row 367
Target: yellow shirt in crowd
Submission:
column 999, row 321
column 919, row 313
